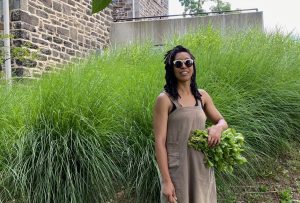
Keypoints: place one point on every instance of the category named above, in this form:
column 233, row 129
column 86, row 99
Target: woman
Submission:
column 179, row 110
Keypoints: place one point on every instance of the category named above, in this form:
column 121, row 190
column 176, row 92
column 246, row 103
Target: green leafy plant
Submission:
column 225, row 155
column 263, row 188
column 286, row 195
column 21, row 53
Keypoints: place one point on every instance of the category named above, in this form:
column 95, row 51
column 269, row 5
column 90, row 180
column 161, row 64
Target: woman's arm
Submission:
column 160, row 120
column 215, row 116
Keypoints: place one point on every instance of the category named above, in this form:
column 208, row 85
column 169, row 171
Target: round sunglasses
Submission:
column 179, row 63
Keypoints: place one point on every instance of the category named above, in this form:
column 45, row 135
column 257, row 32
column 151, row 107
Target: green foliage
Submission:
column 88, row 129
column 221, row 6
column 20, row 53
column 98, row 5
column 286, row 195
column 192, row 6
column 196, row 6
column 225, row 155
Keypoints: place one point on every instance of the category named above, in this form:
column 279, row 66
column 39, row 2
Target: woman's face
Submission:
column 184, row 69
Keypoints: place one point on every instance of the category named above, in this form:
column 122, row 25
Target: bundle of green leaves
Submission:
column 224, row 156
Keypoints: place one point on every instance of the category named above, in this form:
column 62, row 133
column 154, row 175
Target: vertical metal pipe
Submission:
column 133, row 8
column 6, row 41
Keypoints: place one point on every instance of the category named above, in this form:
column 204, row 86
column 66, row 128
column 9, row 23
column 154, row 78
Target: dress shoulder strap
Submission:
column 201, row 102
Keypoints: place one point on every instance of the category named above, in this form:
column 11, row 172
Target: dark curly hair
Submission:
column 171, row 80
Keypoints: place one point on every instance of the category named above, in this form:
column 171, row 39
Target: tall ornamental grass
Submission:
column 84, row 134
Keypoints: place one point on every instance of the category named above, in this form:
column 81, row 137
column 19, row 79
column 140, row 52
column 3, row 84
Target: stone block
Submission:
column 26, row 63
column 57, row 6
column 55, row 53
column 55, row 22
column 16, row 25
column 19, row 42
column 49, row 11
column 47, row 37
column 54, row 59
column 50, row 27
column 31, row 9
column 63, row 31
column 47, row 3
column 57, row 40
column 16, row 15
column 73, row 33
column 85, row 17
column 87, row 29
column 94, row 34
column 68, row 44
column 23, row 34
column 65, row 56
column 39, row 41
column 92, row 20
column 45, row 51
column 19, row 15
column 90, row 25
column 66, row 9
column 56, row 47
column 28, row 27
column 42, row 14
column 18, row 71
column 80, row 38
column 70, row 52
column 75, row 46
column 87, row 46
column 70, row 23
column 41, row 57
column 71, row 2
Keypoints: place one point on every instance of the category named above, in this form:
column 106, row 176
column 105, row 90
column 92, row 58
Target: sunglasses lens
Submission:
column 178, row 64
column 189, row 63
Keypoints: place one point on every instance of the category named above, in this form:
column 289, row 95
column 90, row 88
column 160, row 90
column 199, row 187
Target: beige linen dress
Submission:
column 193, row 181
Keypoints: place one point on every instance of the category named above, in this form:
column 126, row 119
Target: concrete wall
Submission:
column 159, row 30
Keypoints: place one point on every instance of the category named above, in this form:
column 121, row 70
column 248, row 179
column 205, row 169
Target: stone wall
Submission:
column 123, row 8
column 58, row 31
column 153, row 7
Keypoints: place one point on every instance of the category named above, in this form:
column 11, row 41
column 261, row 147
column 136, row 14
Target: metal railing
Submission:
column 184, row 15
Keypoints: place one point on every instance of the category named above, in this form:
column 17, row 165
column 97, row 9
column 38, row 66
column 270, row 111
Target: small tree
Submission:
column 221, row 6
column 196, row 6
column 192, row 6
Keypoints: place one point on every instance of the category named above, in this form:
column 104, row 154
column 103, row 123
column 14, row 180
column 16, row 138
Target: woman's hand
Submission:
column 169, row 191
column 214, row 135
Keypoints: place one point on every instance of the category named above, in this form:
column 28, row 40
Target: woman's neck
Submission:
column 184, row 88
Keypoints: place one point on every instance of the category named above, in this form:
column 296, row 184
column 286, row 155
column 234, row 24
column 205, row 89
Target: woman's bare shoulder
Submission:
column 163, row 97
column 163, row 100
column 204, row 95
column 203, row 92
